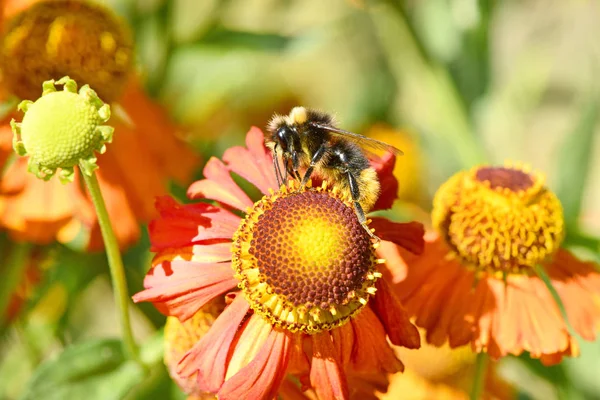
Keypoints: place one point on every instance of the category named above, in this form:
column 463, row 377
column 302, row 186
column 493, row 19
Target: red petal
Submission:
column 208, row 357
column 253, row 163
column 394, row 317
column 182, row 225
column 180, row 287
column 408, row 235
column 389, row 184
column 371, row 349
column 261, row 378
column 326, row 374
column 219, row 186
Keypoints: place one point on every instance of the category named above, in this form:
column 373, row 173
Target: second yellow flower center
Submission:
column 304, row 261
column 499, row 219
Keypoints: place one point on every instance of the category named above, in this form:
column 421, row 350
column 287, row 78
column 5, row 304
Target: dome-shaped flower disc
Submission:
column 304, row 261
column 499, row 218
column 62, row 130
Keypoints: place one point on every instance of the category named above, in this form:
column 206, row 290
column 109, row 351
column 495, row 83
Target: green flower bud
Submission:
column 62, row 129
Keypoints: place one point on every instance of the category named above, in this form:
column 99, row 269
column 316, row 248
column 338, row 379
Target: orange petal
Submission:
column 371, row 349
column 408, row 235
column 209, row 356
column 180, row 288
column 299, row 363
column 254, row 163
column 326, row 374
column 452, row 316
column 219, row 186
column 578, row 285
column 261, row 378
column 394, row 317
column 343, row 341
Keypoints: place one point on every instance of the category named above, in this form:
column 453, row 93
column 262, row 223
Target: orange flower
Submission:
column 442, row 373
column 56, row 38
column 409, row 172
column 476, row 281
column 307, row 275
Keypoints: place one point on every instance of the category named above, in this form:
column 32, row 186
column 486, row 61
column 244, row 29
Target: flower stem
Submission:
column 479, row 378
column 117, row 272
column 14, row 271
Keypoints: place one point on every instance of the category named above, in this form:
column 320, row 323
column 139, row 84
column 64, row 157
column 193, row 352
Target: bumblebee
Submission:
column 308, row 140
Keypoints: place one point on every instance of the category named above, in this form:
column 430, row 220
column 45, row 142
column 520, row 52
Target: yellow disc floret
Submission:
column 62, row 129
column 50, row 39
column 304, row 261
column 499, row 219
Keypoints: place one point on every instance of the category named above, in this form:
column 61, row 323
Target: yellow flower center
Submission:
column 51, row 39
column 304, row 261
column 499, row 219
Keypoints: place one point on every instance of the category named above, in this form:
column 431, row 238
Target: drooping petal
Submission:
column 219, row 186
column 250, row 339
column 394, row 317
column 182, row 225
column 384, row 167
column 260, row 379
column 179, row 288
column 210, row 355
column 578, row 285
column 408, row 235
column 327, row 376
column 343, row 341
column 253, row 162
column 371, row 349
column 299, row 364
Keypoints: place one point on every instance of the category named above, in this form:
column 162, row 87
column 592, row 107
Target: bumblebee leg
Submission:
column 318, row 156
column 277, row 168
column 355, row 192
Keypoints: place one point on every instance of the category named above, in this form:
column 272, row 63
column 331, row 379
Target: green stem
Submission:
column 480, row 374
column 12, row 276
column 117, row 272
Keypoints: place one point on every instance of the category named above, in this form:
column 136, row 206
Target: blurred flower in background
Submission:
column 481, row 282
column 50, row 39
column 442, row 373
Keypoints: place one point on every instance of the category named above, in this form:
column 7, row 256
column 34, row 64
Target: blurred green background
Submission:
column 452, row 82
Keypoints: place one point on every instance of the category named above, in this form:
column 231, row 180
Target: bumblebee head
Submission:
column 282, row 132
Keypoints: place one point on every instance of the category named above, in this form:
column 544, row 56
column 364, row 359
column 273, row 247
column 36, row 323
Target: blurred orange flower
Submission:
column 442, row 373
column 307, row 275
column 477, row 283
column 408, row 168
column 50, row 39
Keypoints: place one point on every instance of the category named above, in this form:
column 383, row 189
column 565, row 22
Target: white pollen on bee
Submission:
column 298, row 115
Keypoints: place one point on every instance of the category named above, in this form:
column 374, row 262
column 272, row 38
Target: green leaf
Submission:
column 574, row 160
column 228, row 38
column 91, row 370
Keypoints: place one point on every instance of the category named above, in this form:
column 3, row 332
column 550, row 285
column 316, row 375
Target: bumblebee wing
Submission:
column 361, row 140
